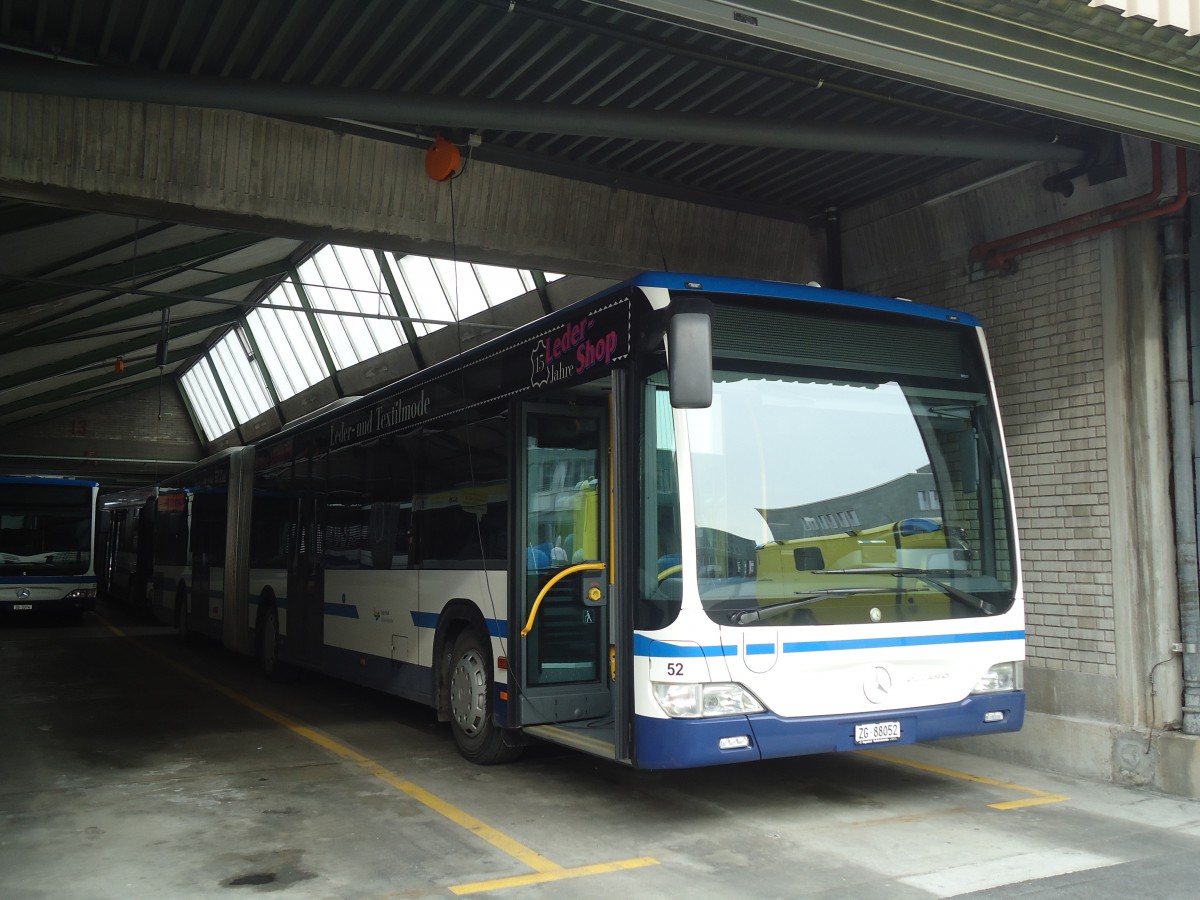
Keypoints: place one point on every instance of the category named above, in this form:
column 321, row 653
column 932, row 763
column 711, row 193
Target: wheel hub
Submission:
column 468, row 693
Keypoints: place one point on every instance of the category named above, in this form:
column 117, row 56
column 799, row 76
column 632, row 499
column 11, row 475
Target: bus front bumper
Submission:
column 74, row 602
column 686, row 743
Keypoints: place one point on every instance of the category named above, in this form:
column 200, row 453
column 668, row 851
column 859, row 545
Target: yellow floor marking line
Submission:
column 544, row 869
column 479, row 887
column 1036, row 798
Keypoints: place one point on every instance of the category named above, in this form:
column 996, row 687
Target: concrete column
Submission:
column 1139, row 468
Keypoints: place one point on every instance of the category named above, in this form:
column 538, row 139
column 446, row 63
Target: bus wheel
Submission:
column 268, row 647
column 478, row 737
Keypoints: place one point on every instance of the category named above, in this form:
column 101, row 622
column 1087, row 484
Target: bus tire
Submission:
column 478, row 737
column 274, row 668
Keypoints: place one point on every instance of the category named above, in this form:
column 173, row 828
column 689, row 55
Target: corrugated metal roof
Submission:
column 565, row 54
column 1181, row 14
column 1060, row 57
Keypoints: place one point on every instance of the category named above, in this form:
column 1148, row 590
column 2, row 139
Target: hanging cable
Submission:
column 455, row 307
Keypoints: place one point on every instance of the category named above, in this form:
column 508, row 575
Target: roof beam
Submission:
column 18, row 217
column 80, row 387
column 38, row 77
column 149, row 339
column 78, row 327
column 105, row 277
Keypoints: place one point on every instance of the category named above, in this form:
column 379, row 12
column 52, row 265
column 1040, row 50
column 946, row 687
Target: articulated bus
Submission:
column 688, row 521
column 47, row 542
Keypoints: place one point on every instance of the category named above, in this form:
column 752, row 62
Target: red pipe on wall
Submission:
column 1000, row 254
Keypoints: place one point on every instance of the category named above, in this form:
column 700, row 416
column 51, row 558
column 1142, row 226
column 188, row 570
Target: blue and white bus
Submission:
column 688, row 521
column 47, row 545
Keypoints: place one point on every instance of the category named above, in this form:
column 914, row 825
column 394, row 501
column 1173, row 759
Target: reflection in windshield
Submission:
column 797, row 477
column 44, row 531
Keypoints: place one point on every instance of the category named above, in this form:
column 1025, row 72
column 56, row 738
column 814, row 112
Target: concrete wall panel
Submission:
column 245, row 172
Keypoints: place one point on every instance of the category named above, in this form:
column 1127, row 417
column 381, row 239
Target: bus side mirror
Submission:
column 689, row 355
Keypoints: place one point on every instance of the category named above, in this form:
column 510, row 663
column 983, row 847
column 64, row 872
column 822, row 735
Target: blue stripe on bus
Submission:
column 425, row 620
column 644, row 646
column 918, row 640
column 49, row 579
column 497, row 628
column 345, row 610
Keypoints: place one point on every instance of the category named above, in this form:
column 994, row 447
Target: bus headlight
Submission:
column 1008, row 676
column 695, row 701
column 81, row 594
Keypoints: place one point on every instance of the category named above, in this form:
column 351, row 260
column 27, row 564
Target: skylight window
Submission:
column 340, row 308
column 242, row 379
column 461, row 286
column 422, row 292
column 292, row 355
column 200, row 385
column 347, row 280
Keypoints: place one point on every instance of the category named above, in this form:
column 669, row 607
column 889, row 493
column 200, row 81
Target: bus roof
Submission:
column 60, row 480
column 714, row 285
column 365, row 417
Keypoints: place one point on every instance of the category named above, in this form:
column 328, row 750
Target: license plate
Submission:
column 876, row 732
column 22, row 606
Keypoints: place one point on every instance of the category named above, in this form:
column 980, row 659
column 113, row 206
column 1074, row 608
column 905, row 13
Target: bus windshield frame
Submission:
column 45, row 528
column 824, row 496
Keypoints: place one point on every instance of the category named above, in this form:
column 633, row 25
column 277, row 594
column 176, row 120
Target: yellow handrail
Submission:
column 569, row 570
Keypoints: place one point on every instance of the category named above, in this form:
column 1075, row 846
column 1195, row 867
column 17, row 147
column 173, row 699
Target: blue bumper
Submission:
column 686, row 743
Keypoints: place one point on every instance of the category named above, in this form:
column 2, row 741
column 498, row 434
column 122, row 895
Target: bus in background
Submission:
column 47, row 544
column 688, row 521
column 198, row 526
column 125, row 542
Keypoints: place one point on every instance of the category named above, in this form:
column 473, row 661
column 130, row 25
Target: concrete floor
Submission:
column 135, row 767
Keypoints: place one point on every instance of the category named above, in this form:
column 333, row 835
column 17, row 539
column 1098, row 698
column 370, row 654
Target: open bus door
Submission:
column 561, row 614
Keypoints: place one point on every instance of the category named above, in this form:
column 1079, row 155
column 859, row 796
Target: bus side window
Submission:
column 662, row 582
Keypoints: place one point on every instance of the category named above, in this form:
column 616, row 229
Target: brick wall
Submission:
column 143, row 426
column 1043, row 325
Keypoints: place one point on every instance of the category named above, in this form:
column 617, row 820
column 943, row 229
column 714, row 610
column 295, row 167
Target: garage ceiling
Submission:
column 780, row 108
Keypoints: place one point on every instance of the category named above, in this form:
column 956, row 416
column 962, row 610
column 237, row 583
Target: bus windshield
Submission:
column 854, row 499
column 45, row 530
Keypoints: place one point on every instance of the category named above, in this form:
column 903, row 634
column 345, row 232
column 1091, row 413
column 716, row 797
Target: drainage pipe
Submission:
column 1183, row 480
column 311, row 101
column 1003, row 259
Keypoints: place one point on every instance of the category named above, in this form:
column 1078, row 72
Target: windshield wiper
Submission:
column 747, row 616
column 966, row 599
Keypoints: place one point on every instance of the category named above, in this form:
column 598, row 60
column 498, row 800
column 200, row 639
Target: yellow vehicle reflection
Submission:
column 828, row 579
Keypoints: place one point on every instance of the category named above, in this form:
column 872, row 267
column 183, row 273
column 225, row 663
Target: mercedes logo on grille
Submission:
column 878, row 684
column 23, row 594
